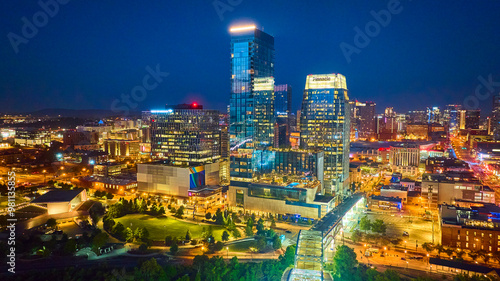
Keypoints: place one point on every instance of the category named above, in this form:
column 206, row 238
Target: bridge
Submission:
column 316, row 245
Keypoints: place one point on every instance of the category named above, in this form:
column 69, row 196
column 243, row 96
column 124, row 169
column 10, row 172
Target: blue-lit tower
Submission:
column 251, row 117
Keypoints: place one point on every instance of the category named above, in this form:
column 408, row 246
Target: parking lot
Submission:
column 418, row 229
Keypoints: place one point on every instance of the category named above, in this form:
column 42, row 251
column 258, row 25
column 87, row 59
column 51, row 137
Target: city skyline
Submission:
column 422, row 63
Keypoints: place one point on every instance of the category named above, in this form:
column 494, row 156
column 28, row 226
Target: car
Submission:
column 405, row 233
column 288, row 231
column 403, row 259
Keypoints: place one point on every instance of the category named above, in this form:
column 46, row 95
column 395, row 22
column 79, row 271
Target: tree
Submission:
column 276, row 242
column 161, row 211
column 151, row 270
column 51, row 223
column 188, row 235
column 460, row 253
column 129, row 235
column 109, row 196
column 379, row 226
column 168, row 240
column 365, row 223
column 236, row 233
column 356, row 236
column 344, row 263
column 248, row 231
column 99, row 240
column 225, row 236
column 428, row 247
column 119, row 231
column 261, row 243
column 473, row 255
column 288, row 258
column 439, row 249
column 70, row 247
column 260, row 227
column 273, row 223
column 208, row 216
column 174, row 249
column 116, row 210
column 180, row 212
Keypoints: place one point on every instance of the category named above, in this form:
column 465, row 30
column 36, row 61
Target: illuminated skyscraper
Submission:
column 251, row 112
column 495, row 119
column 185, row 134
column 366, row 120
column 325, row 125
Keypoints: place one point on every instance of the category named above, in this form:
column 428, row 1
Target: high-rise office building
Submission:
column 451, row 116
column 433, row 115
column 282, row 114
column 325, row 125
column 282, row 100
column 263, row 112
column 495, row 119
column 366, row 120
column 472, row 118
column 252, row 71
column 185, row 134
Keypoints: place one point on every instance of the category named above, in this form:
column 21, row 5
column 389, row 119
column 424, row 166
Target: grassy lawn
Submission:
column 159, row 228
column 4, row 201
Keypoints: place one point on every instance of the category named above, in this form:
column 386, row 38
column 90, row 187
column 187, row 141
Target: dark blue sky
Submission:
column 91, row 52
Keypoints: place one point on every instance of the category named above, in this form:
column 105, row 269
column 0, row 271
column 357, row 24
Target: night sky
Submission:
column 90, row 52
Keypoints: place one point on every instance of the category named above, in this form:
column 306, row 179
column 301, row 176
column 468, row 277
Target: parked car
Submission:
column 405, row 233
column 288, row 231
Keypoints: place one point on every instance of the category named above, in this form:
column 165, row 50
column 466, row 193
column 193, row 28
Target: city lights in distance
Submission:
column 242, row 28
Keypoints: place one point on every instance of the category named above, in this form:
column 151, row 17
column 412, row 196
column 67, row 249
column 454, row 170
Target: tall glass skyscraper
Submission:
column 251, row 114
column 325, row 124
column 282, row 100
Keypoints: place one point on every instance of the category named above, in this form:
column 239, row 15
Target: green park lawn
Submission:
column 159, row 228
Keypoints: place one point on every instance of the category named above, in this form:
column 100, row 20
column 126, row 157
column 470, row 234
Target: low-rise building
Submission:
column 385, row 203
column 162, row 178
column 59, row 201
column 295, row 198
column 449, row 187
column 110, row 184
column 474, row 229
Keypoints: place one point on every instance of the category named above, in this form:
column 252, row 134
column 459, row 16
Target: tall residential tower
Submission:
column 251, row 117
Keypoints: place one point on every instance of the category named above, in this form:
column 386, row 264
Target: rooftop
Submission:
column 58, row 195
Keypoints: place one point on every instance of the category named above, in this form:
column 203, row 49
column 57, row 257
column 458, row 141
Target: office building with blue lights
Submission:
column 185, row 135
column 251, row 114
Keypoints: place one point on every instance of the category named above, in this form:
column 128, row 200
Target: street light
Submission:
column 227, row 249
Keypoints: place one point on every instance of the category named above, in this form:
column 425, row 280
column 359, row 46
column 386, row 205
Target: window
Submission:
column 467, row 245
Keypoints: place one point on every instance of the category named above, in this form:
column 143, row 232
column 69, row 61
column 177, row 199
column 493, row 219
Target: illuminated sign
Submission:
column 162, row 111
column 263, row 84
column 326, row 81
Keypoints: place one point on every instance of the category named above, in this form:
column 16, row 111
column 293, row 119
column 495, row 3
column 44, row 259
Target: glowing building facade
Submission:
column 251, row 114
column 185, row 134
column 325, row 125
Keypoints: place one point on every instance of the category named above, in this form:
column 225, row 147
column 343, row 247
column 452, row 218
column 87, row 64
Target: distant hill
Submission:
column 78, row 113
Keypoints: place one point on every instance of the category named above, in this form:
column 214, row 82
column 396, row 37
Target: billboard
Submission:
column 196, row 177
